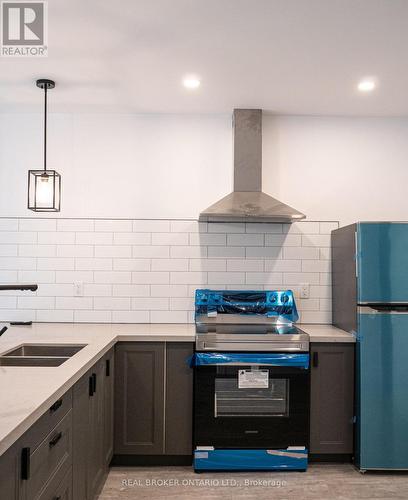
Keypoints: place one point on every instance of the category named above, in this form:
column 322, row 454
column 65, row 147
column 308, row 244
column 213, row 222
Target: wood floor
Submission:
column 320, row 482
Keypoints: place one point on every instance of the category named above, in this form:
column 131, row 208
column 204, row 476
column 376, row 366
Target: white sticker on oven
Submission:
column 253, row 379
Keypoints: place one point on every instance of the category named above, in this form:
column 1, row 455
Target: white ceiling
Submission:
column 285, row 56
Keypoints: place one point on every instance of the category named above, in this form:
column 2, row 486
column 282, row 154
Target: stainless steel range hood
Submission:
column 248, row 203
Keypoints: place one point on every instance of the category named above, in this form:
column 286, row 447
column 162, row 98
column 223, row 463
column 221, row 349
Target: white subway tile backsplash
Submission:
column 81, row 316
column 37, row 250
column 37, row 225
column 112, row 277
column 263, row 252
column 263, row 278
column 169, row 291
column 317, row 317
column 113, row 251
column 168, row 316
column 170, row 239
column 148, row 270
column 150, row 303
column 170, row 264
column 226, row 252
column 18, row 263
column 74, row 276
column 184, row 278
column 281, row 265
column 131, row 264
column 13, row 237
column 132, row 238
column 188, row 226
column 151, row 252
column 55, row 263
column 112, row 303
column 187, row 252
column 94, row 238
column 316, row 240
column 227, row 278
column 73, row 250
column 241, row 240
column 301, row 253
column 94, row 264
column 131, row 317
column 206, row 239
column 8, row 224
column 208, row 265
column 36, row 302
column 55, row 238
column 74, row 303
column 113, row 226
column 75, row 225
column 53, row 315
column 151, row 226
column 245, row 265
column 153, row 277
column 36, row 277
column 10, row 251
column 283, row 240
column 131, row 290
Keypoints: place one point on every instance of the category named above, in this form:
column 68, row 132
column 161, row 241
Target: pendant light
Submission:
column 44, row 186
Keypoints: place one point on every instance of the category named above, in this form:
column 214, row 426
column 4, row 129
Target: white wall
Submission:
column 172, row 166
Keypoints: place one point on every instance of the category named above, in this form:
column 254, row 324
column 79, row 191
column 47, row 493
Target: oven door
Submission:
column 248, row 400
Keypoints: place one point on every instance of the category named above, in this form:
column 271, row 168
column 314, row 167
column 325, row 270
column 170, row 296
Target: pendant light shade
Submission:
column 44, row 186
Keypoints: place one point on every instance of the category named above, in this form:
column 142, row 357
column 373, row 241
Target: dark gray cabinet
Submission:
column 10, row 473
column 153, row 399
column 92, row 429
column 332, row 398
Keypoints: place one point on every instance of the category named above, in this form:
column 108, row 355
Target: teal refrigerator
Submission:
column 370, row 300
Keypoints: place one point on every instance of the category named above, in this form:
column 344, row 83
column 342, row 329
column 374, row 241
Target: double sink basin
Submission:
column 40, row 354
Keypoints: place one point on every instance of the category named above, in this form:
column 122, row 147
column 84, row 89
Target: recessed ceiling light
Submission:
column 191, row 82
column 366, row 85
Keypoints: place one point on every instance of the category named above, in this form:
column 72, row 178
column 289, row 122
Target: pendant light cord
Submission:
column 45, row 128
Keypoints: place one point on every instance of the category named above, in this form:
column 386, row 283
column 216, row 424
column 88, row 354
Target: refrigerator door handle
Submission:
column 383, row 309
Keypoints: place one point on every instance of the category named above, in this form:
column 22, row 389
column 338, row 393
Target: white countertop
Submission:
column 27, row 392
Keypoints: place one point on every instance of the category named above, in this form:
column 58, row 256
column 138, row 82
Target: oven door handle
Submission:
column 248, row 359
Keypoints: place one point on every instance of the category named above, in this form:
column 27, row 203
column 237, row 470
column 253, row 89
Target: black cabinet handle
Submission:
column 315, row 359
column 91, row 391
column 107, row 372
column 94, row 382
column 25, row 463
column 56, row 405
column 57, row 498
column 55, row 439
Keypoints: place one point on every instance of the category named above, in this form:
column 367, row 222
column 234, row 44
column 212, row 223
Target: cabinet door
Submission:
column 108, row 407
column 332, row 398
column 179, row 399
column 9, row 474
column 96, row 467
column 139, row 398
column 81, row 436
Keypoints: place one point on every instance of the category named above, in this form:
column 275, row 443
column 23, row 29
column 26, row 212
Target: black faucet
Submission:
column 31, row 288
column 3, row 330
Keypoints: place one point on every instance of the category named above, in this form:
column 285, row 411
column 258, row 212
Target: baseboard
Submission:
column 149, row 460
column 331, row 457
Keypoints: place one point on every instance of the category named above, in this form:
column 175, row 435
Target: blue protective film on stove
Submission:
column 268, row 303
column 225, row 358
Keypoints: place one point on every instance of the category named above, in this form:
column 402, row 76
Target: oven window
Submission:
column 232, row 401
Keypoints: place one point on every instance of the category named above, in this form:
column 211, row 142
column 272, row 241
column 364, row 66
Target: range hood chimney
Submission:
column 248, row 203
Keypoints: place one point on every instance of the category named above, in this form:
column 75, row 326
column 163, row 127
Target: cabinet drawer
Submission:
column 51, row 459
column 48, row 420
column 57, row 489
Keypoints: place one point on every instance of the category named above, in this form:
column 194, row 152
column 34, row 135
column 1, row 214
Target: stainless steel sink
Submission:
column 29, row 350
column 36, row 361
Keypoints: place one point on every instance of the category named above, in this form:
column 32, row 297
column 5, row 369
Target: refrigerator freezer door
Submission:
column 382, row 391
column 382, row 254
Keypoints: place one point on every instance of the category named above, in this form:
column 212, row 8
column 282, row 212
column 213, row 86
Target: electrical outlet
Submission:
column 304, row 290
column 78, row 289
